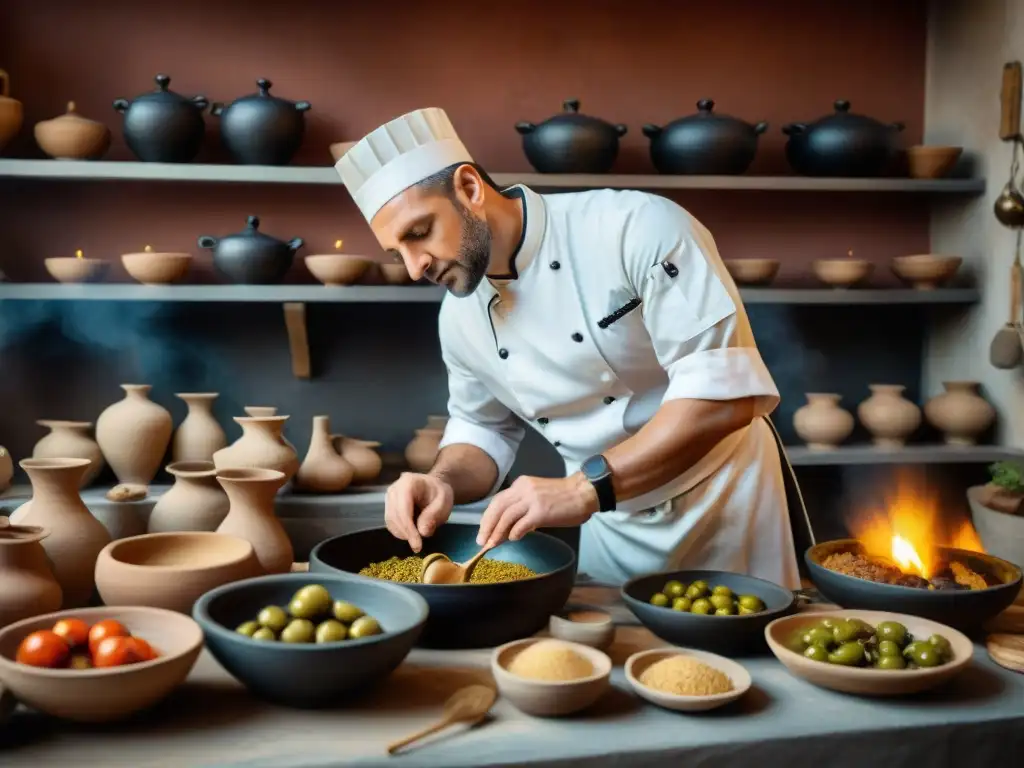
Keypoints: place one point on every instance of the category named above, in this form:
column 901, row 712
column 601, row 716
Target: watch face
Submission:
column 595, row 466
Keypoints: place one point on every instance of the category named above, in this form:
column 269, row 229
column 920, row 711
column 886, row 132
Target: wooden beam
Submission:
column 298, row 338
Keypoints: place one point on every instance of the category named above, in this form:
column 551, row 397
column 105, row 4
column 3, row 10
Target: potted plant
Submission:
column 997, row 509
column 1005, row 491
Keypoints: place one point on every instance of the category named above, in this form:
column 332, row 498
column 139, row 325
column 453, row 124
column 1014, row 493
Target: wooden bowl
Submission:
column 752, row 271
column 926, row 271
column 783, row 634
column 151, row 268
column 543, row 698
column 109, row 693
column 337, row 268
column 842, row 273
column 70, row 269
column 583, row 624
column 395, row 274
column 927, row 162
column 638, row 662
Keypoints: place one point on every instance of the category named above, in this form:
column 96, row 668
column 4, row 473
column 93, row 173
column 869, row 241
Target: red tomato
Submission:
column 115, row 651
column 43, row 649
column 104, row 629
column 142, row 649
column 74, row 631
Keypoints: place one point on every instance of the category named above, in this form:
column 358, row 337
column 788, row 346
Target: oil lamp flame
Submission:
column 148, row 249
column 79, row 254
column 337, row 244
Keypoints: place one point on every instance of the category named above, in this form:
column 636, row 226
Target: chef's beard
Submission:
column 470, row 266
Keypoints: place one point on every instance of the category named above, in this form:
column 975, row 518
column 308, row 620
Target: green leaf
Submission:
column 1008, row 475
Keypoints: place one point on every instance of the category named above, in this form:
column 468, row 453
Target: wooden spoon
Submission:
column 1005, row 351
column 439, row 569
column 467, row 705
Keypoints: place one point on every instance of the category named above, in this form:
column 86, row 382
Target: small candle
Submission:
column 148, row 249
column 850, row 253
column 79, row 254
column 337, row 244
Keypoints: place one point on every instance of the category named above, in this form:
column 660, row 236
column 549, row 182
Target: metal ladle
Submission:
column 1009, row 205
column 439, row 569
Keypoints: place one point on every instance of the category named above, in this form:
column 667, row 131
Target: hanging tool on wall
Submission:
column 1009, row 205
column 1006, row 350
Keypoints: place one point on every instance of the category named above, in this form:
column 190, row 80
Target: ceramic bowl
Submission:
column 726, row 634
column 310, row 675
column 395, row 274
column 112, row 693
column 926, row 271
column 927, row 162
column 842, row 273
column 171, row 570
column 752, row 271
column 542, row 698
column 783, row 638
column 584, row 624
column 70, row 269
column 337, row 268
column 151, row 268
column 639, row 662
column 467, row 615
column 338, row 149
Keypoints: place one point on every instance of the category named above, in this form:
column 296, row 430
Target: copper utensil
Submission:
column 439, row 569
column 1009, row 205
column 467, row 705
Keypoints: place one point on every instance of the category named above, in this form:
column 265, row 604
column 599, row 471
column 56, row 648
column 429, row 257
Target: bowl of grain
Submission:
column 686, row 680
column 547, row 678
column 584, row 624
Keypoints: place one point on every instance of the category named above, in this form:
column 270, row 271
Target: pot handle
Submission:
column 207, row 242
column 121, row 105
column 525, row 128
column 252, row 222
column 217, row 108
column 5, row 83
column 841, row 105
column 294, row 244
column 794, row 129
column 761, row 127
column 621, row 129
column 650, row 130
column 571, row 105
column 303, row 106
column 200, row 102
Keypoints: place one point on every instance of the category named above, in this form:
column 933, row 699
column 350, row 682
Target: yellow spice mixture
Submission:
column 551, row 661
column 683, row 676
column 407, row 570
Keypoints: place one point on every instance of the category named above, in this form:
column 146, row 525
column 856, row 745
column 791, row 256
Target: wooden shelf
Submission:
column 800, row 456
column 71, row 170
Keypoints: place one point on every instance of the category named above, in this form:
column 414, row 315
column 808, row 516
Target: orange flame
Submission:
column 337, row 244
column 79, row 254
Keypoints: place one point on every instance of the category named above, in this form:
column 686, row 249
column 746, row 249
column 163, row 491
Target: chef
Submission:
column 606, row 321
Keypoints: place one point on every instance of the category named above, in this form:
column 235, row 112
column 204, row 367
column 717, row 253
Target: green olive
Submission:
column 248, row 628
column 300, row 609
column 273, row 617
column 744, row 611
column 659, row 599
column 364, row 626
column 298, row 631
column 890, row 662
column 700, row 585
column 702, row 606
column 722, row 601
column 754, row 603
column 942, row 645
column 912, row 648
column 849, row 654
column 674, row 588
column 845, row 631
column 864, row 630
column 347, row 613
column 816, row 653
column 828, row 624
column 694, row 592
column 721, row 589
column 315, row 597
column 682, row 604
column 819, row 636
column 264, row 633
column 926, row 655
column 892, row 630
column 889, row 648
column 331, row 631
column 725, row 610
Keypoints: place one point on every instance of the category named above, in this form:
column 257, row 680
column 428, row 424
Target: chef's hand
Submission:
column 537, row 502
column 413, row 493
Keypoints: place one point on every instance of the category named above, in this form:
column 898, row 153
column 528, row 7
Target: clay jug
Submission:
column 6, row 469
column 323, row 470
column 422, row 449
column 888, row 416
column 27, row 584
column 822, row 424
column 133, row 434
column 960, row 412
column 261, row 446
column 199, row 436
column 251, row 515
column 70, row 440
column 366, row 462
column 267, row 410
column 76, row 537
column 11, row 113
column 195, row 502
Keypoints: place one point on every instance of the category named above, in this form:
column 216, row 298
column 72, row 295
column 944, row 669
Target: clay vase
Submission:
column 251, row 515
column 76, row 537
column 133, row 434
column 195, row 502
column 366, row 462
column 267, row 410
column 323, row 470
column 422, row 449
column 70, row 440
column 888, row 416
column 261, row 446
column 27, row 585
column 822, row 424
column 6, row 469
column 960, row 413
column 199, row 436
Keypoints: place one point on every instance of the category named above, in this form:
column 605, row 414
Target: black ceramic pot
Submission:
column 467, row 615
column 704, row 143
column 571, row 142
column 163, row 126
column 250, row 257
column 842, row 144
column 261, row 129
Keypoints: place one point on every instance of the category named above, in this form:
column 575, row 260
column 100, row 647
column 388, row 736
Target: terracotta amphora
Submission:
column 70, row 440
column 888, row 416
column 251, row 515
column 199, row 436
column 195, row 502
column 362, row 455
column 27, row 585
column 133, row 434
column 822, row 424
column 960, row 412
column 323, row 470
column 261, row 446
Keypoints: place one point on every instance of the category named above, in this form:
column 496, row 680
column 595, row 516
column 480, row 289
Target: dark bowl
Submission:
column 310, row 675
column 736, row 635
column 964, row 610
column 467, row 615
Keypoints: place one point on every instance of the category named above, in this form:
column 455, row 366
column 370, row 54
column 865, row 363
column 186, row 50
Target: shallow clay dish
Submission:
column 71, row 269
column 113, row 693
column 584, row 624
column 171, row 570
column 926, row 271
column 638, row 662
column 927, row 162
column 151, row 268
column 550, row 699
column 783, row 634
column 395, row 274
column 337, row 268
column 752, row 271
column 842, row 273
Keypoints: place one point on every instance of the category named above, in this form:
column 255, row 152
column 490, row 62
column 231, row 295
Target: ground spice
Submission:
column 684, row 676
column 407, row 570
column 551, row 661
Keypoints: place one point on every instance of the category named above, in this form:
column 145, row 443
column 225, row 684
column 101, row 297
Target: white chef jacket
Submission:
column 617, row 302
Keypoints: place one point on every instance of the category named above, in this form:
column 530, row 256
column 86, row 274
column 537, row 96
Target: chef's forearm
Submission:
column 469, row 471
column 681, row 433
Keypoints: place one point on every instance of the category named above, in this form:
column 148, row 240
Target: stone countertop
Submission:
column 212, row 721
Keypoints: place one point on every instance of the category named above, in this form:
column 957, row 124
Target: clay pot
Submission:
column 337, row 268
column 822, row 424
column 156, row 268
column 133, row 434
column 931, row 162
column 27, row 585
column 267, row 410
column 6, row 469
column 960, row 412
column 70, row 440
column 195, row 502
column 76, row 269
column 261, row 446
column 752, row 271
column 842, row 273
column 199, row 436
column 323, row 470
column 926, row 271
column 76, row 537
column 251, row 515
column 422, row 449
column 888, row 416
column 11, row 113
column 366, row 462
column 72, row 137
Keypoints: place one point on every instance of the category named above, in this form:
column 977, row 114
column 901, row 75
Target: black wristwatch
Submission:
column 597, row 471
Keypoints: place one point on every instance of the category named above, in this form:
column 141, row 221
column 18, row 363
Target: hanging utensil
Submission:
column 468, row 705
column 439, row 569
column 1009, row 205
column 1006, row 351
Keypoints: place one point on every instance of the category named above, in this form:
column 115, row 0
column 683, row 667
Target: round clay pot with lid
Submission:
column 70, row 440
column 704, row 143
column 163, row 126
column 200, row 435
column 822, row 424
column 323, row 470
column 11, row 112
column 842, row 144
column 250, row 257
column 422, row 449
column 960, row 413
column 261, row 446
column 571, row 142
column 72, row 137
column 133, row 434
column 261, row 129
column 362, row 455
column 27, row 584
column 195, row 502
column 888, row 416
column 251, row 493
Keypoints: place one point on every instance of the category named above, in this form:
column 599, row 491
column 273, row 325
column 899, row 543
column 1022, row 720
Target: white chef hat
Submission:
column 397, row 155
